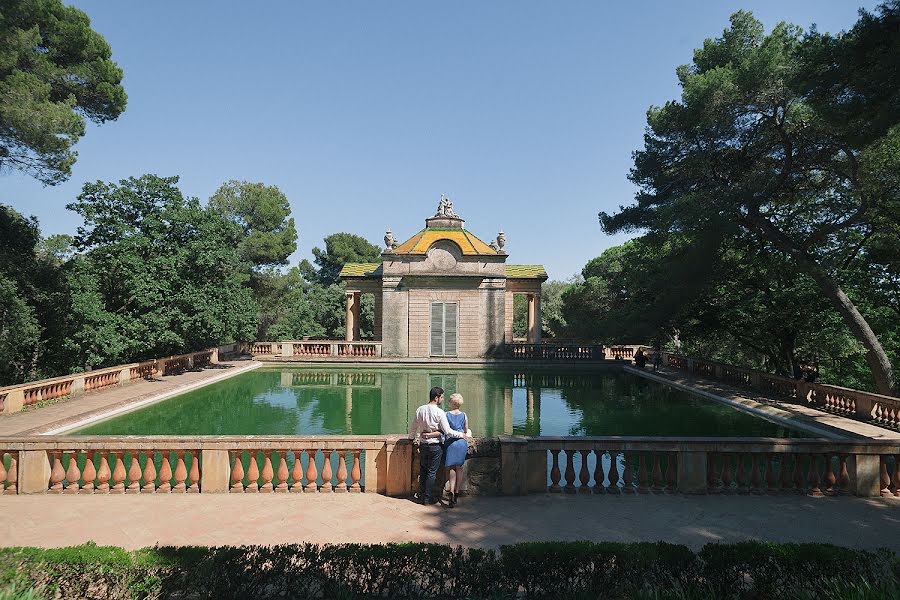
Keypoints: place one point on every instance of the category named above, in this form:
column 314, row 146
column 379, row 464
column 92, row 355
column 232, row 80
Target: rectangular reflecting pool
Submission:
column 338, row 401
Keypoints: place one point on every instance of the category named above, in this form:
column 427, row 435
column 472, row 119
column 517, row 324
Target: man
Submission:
column 430, row 421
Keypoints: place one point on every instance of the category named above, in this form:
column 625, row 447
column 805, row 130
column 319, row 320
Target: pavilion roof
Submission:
column 526, row 272
column 468, row 243
column 360, row 270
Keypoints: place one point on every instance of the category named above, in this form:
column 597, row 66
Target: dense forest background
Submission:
column 766, row 222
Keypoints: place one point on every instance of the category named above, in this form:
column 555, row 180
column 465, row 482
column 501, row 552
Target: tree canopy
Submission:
column 55, row 71
column 263, row 213
column 774, row 138
column 340, row 249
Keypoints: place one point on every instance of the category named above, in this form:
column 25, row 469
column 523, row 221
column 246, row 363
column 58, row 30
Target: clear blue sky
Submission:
column 363, row 113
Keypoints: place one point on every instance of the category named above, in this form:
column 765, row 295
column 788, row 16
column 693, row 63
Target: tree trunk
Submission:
column 879, row 364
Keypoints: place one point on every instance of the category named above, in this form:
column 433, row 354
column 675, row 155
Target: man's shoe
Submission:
column 430, row 501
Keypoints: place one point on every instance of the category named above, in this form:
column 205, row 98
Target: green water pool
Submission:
column 338, row 401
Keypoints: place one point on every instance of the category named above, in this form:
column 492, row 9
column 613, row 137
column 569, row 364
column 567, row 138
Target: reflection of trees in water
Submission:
column 236, row 406
column 342, row 409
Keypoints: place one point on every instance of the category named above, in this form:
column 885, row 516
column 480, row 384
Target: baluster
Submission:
column 712, row 481
column 786, row 482
column 282, row 474
column 165, row 473
column 89, row 474
column 570, row 471
column 554, row 473
column 658, row 483
column 297, row 473
column 57, row 473
column 671, row 472
column 103, row 474
column 355, row 474
column 341, row 473
column 180, row 473
column 643, row 487
column 252, row 475
column 743, row 486
column 134, row 474
column 118, row 474
column 326, row 471
column 627, row 484
column 814, row 477
column 311, row 473
column 237, row 473
column 896, row 476
column 885, row 478
column 583, row 476
column 12, row 475
column 194, row 488
column 72, row 473
column 267, row 472
column 613, row 473
column 149, row 475
column 727, row 478
column 755, row 479
column 843, row 477
column 799, row 477
column 829, row 480
column 3, row 472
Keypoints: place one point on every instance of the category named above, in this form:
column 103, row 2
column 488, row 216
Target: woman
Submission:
column 455, row 448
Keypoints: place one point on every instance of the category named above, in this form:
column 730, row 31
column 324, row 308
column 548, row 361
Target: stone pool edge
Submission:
column 757, row 409
column 143, row 402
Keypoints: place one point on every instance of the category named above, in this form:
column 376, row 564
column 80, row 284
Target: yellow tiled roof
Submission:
column 422, row 241
column 359, row 269
column 525, row 271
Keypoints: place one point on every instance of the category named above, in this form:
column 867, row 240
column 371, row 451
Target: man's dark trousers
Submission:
column 430, row 456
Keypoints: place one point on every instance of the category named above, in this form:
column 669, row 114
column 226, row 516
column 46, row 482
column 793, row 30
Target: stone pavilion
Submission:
column 443, row 292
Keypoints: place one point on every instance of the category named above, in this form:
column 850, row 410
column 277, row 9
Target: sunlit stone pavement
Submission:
column 231, row 519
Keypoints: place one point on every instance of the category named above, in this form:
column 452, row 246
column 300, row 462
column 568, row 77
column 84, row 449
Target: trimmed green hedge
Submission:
column 529, row 570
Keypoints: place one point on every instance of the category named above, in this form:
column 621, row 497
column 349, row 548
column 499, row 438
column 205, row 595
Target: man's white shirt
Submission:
column 430, row 418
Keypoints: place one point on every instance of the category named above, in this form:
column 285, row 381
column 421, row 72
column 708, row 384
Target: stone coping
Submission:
column 200, row 442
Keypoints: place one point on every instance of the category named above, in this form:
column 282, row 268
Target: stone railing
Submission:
column 14, row 398
column 204, row 464
column 509, row 465
column 620, row 465
column 550, row 351
column 856, row 404
column 317, row 349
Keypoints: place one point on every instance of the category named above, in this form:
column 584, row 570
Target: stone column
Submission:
column 514, row 465
column 352, row 316
column 33, row 472
column 376, row 334
column 534, row 318
column 216, row 475
column 529, row 319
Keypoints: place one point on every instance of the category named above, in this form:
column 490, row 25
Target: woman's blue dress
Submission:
column 456, row 448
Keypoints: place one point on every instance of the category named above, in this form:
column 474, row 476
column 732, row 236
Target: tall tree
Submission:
column 340, row 249
column 157, row 274
column 754, row 146
column 263, row 213
column 55, row 71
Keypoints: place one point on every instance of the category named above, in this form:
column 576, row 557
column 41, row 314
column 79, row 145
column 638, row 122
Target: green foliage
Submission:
column 789, row 140
column 156, row 274
column 263, row 213
column 530, row 570
column 553, row 321
column 54, row 71
column 340, row 249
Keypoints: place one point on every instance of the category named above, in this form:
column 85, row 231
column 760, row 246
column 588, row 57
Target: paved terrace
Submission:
column 231, row 519
column 92, row 404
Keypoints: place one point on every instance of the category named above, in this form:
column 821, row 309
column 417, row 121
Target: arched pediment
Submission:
column 443, row 255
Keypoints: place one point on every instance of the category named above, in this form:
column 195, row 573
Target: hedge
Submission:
column 529, row 570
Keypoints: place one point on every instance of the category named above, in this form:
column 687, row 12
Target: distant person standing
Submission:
column 430, row 421
column 657, row 359
column 640, row 359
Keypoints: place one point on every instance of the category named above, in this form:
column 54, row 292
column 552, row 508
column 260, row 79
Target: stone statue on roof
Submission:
column 390, row 241
column 445, row 208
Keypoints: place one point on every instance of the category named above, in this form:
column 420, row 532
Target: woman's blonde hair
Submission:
column 456, row 399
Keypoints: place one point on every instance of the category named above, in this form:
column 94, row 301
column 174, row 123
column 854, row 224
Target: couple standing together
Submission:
column 442, row 436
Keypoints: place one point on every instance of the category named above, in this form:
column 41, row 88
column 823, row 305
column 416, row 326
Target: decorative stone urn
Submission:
column 501, row 242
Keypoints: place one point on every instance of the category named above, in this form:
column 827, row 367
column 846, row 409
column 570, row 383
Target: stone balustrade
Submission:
column 14, row 398
column 635, row 465
column 516, row 465
column 208, row 464
column 317, row 349
column 550, row 351
column 856, row 404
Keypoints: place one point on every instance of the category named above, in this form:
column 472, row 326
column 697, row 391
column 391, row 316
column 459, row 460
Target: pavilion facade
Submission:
column 443, row 292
